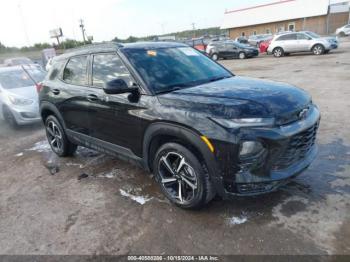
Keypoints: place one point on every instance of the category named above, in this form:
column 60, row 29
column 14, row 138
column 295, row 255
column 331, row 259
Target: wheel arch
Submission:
column 47, row 109
column 312, row 48
column 160, row 133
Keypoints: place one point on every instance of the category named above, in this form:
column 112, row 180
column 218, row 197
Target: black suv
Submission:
column 201, row 130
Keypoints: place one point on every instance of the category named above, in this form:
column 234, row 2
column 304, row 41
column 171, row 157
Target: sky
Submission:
column 25, row 22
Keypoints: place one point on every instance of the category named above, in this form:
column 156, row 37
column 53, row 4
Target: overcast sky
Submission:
column 25, row 22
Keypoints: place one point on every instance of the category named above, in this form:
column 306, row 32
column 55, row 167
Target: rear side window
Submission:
column 107, row 67
column 287, row 37
column 75, row 71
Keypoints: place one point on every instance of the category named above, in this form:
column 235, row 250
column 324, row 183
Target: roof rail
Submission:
column 94, row 45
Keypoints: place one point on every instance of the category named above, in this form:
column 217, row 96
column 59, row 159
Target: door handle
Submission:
column 56, row 91
column 92, row 98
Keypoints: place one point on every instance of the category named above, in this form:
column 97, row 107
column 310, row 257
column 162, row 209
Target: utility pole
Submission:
column 194, row 29
column 82, row 27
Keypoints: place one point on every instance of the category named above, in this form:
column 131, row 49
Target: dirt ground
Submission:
column 118, row 208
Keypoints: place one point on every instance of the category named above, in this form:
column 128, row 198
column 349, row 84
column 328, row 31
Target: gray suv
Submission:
column 287, row 43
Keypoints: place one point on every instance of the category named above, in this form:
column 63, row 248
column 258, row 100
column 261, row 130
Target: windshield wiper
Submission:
column 175, row 87
column 214, row 79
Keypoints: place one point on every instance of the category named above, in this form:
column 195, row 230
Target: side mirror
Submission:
column 118, row 86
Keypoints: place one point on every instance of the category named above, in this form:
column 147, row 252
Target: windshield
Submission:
column 313, row 35
column 19, row 78
column 169, row 69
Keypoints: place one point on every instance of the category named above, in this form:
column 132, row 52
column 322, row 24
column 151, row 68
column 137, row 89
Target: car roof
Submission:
column 114, row 46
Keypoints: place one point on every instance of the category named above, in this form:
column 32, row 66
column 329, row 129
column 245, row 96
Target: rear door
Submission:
column 290, row 43
column 113, row 118
column 72, row 95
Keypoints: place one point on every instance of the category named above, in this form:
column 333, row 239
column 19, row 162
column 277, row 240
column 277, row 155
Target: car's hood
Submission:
column 240, row 97
column 28, row 92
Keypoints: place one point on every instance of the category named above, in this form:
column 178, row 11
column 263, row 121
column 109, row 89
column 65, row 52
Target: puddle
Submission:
column 233, row 221
column 41, row 146
column 139, row 199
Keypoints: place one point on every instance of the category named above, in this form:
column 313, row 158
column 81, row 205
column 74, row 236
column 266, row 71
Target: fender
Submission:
column 44, row 105
column 187, row 136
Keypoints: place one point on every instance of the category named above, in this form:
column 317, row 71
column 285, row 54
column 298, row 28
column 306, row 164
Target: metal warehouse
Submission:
column 321, row 16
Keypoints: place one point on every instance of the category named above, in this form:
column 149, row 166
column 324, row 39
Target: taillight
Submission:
column 39, row 86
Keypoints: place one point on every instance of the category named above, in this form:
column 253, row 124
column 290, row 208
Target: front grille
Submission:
column 297, row 149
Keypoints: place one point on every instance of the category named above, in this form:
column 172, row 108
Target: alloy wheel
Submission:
column 241, row 56
column 177, row 177
column 318, row 50
column 54, row 136
column 278, row 52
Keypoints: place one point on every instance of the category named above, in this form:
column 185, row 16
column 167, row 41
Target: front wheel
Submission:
column 57, row 138
column 318, row 50
column 215, row 57
column 241, row 55
column 183, row 179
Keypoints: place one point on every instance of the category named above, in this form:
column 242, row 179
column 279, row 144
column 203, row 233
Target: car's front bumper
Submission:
column 26, row 115
column 277, row 165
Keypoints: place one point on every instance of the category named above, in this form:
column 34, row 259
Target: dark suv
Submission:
column 201, row 130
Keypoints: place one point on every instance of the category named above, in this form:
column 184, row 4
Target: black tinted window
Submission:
column 75, row 71
column 287, row 37
column 107, row 67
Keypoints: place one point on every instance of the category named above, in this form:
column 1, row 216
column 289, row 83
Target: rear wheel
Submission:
column 215, row 57
column 183, row 179
column 318, row 50
column 10, row 118
column 241, row 55
column 278, row 52
column 57, row 138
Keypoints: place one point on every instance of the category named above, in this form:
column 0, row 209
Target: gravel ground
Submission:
column 119, row 209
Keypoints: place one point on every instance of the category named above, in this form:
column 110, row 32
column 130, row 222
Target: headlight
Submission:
column 18, row 101
column 245, row 122
column 250, row 148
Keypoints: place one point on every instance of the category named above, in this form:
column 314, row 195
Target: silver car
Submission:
column 284, row 44
column 18, row 94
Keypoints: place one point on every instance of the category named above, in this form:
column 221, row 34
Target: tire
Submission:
column 278, row 52
column 183, row 179
column 342, row 34
column 318, row 49
column 242, row 55
column 57, row 138
column 215, row 57
column 10, row 118
column 327, row 51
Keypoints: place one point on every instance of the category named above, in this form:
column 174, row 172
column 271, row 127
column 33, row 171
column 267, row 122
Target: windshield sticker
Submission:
column 152, row 53
column 189, row 51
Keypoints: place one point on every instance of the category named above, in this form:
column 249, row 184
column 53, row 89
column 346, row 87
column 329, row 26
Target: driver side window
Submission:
column 107, row 67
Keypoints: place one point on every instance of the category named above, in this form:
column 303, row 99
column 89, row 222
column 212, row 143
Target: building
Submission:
column 320, row 16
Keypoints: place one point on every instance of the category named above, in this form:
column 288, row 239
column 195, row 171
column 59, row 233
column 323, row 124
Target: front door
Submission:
column 113, row 118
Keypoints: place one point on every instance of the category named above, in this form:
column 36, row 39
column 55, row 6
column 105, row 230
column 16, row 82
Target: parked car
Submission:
column 18, row 95
column 198, row 43
column 255, row 40
column 287, row 43
column 230, row 49
column 17, row 61
column 343, row 31
column 200, row 129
